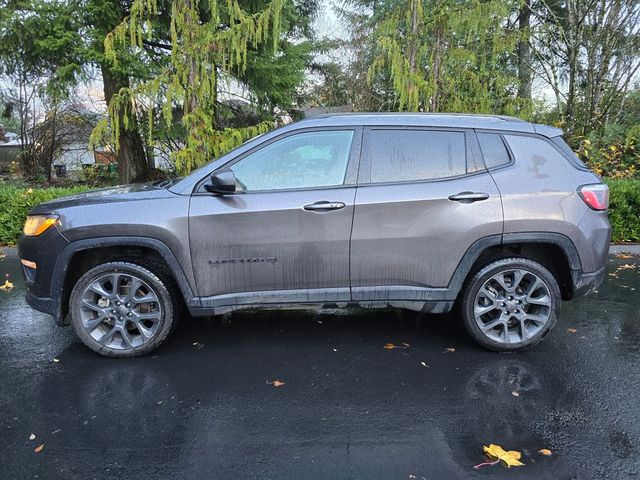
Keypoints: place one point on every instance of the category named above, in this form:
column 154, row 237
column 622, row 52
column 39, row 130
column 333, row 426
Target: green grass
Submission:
column 16, row 201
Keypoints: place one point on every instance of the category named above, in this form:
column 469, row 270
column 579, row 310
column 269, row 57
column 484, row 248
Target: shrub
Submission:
column 624, row 209
column 16, row 202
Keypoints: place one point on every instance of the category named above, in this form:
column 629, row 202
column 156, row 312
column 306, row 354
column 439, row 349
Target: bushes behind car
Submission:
column 624, row 209
column 16, row 202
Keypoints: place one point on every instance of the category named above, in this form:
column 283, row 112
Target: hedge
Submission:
column 15, row 203
column 624, row 209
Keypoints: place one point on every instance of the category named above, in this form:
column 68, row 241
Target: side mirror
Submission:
column 223, row 182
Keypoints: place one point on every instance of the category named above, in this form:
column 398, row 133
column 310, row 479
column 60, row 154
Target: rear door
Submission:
column 285, row 237
column 423, row 198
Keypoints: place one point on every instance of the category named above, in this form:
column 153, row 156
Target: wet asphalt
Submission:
column 201, row 407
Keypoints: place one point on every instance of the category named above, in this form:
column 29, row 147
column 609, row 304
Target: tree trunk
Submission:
column 132, row 160
column 524, row 52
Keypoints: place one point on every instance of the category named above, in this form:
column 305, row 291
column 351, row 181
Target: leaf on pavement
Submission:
column 624, row 255
column 7, row 285
column 496, row 453
column 276, row 383
column 515, row 394
column 32, row 437
column 424, row 364
column 449, row 350
column 391, row 346
column 545, row 451
column 39, row 448
column 571, row 330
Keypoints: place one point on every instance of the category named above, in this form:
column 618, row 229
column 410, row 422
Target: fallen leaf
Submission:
column 277, row 383
column 498, row 454
column 571, row 330
column 624, row 255
column 545, row 451
column 515, row 394
column 449, row 350
column 56, row 360
column 627, row 266
column 32, row 437
column 39, row 448
column 391, row 346
column 424, row 364
column 335, row 349
column 7, row 285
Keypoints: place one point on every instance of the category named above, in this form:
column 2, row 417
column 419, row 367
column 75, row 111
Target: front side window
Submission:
column 408, row 155
column 303, row 160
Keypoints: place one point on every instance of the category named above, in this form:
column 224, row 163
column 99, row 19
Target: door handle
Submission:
column 469, row 197
column 324, row 206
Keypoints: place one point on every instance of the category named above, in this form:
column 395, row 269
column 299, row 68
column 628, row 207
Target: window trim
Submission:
column 351, row 172
column 364, row 174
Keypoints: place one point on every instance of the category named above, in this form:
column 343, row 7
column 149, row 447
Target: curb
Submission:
column 633, row 249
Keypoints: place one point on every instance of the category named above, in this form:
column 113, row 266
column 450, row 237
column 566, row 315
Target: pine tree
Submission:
column 207, row 44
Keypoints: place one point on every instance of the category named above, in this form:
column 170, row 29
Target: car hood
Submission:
column 118, row 194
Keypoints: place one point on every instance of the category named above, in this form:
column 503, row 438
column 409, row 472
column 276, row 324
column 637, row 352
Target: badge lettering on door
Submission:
column 222, row 261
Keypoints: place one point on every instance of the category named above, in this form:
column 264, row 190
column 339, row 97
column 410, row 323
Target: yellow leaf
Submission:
column 624, row 255
column 277, row 383
column 508, row 458
column 389, row 346
column 39, row 448
column 545, row 451
column 7, row 285
column 571, row 330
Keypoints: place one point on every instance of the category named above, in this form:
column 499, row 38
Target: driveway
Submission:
column 203, row 406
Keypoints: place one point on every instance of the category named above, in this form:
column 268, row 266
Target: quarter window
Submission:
column 304, row 160
column 407, row 155
column 494, row 151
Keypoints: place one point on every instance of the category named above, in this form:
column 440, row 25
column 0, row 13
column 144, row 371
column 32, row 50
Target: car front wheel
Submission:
column 121, row 309
column 511, row 304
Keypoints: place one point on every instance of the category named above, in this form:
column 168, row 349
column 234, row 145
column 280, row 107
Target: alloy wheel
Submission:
column 120, row 311
column 512, row 306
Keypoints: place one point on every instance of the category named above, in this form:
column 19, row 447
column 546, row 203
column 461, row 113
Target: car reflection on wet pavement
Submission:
column 202, row 405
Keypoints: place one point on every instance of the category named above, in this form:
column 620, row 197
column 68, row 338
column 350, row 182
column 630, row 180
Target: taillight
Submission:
column 596, row 196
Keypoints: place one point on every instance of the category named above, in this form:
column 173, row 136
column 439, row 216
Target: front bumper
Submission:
column 43, row 251
column 586, row 283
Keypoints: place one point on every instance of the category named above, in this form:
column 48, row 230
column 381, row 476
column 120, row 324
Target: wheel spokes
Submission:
column 520, row 299
column 120, row 311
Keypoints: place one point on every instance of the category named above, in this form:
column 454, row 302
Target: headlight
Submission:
column 38, row 224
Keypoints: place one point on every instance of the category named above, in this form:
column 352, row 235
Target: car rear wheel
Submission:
column 511, row 304
column 121, row 309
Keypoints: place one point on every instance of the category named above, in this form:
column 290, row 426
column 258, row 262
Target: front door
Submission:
column 423, row 198
column 285, row 236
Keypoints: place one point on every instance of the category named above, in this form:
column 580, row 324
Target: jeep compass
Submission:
column 492, row 215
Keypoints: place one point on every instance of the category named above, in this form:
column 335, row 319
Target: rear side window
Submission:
column 407, row 155
column 494, row 150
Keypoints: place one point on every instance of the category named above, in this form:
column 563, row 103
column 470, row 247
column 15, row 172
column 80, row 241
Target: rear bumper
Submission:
column 586, row 283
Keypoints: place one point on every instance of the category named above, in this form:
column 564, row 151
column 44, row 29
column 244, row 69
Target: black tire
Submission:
column 166, row 309
column 470, row 295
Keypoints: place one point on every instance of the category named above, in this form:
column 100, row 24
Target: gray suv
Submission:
column 492, row 215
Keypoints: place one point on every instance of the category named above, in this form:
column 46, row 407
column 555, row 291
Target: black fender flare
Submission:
column 475, row 250
column 60, row 269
